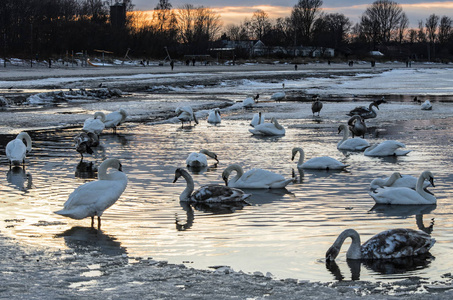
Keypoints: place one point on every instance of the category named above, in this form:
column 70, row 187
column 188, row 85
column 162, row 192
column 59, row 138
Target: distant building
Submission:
column 118, row 15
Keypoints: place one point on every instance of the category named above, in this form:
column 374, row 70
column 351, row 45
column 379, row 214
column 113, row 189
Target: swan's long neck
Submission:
column 345, row 133
column 185, row 195
column 276, row 124
column 234, row 167
column 395, row 176
column 301, row 156
column 108, row 163
column 99, row 114
column 354, row 251
column 371, row 108
column 421, row 191
column 123, row 115
column 24, row 136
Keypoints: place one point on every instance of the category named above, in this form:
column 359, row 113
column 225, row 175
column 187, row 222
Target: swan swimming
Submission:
column 268, row 129
column 396, row 180
column 387, row 148
column 392, row 243
column 316, row 106
column 93, row 198
column 317, row 163
column 214, row 116
column 16, row 150
column 357, row 126
column 199, row 159
column 114, row 119
column 186, row 114
column 254, row 178
column 353, row 144
column 257, row 119
column 405, row 195
column 208, row 193
column 94, row 124
column 426, row 105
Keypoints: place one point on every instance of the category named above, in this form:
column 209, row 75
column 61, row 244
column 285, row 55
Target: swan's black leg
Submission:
column 99, row 222
column 92, row 221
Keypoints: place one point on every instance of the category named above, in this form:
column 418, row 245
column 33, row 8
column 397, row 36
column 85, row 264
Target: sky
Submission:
column 235, row 11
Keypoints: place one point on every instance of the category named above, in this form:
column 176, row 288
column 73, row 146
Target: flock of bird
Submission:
column 93, row 198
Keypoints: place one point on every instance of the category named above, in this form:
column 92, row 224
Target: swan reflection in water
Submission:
column 89, row 239
column 86, row 170
column 405, row 211
column 19, row 178
column 381, row 266
column 201, row 170
column 215, row 208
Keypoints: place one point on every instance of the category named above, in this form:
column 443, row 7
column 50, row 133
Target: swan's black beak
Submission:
column 431, row 180
column 176, row 178
column 120, row 168
column 226, row 180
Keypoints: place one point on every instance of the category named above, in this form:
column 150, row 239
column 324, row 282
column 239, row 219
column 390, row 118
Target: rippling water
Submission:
column 285, row 232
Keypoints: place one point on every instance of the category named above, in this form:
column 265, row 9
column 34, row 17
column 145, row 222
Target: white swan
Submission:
column 268, row 129
column 214, row 116
column 353, row 144
column 114, row 119
column 278, row 96
column 16, row 150
column 186, row 114
column 387, row 148
column 248, row 102
column 208, row 193
column 254, row 178
column 257, row 119
column 316, row 106
column 426, row 105
column 405, row 195
column 94, row 124
column 396, row 180
column 357, row 126
column 93, row 198
column 199, row 159
column 393, row 243
column 317, row 163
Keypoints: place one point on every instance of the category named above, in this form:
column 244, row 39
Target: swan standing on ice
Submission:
column 353, row 144
column 186, row 114
column 268, row 129
column 214, row 116
column 387, row 148
column 208, row 193
column 396, row 180
column 16, row 150
column 199, row 159
column 94, row 124
column 316, row 106
column 357, row 126
column 365, row 113
column 278, row 96
column 393, row 243
column 254, row 178
column 405, row 195
column 257, row 119
column 93, row 198
column 317, row 163
column 250, row 101
column 84, row 142
column 114, row 119
column 426, row 105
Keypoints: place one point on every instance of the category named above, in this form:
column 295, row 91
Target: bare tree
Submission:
column 162, row 14
column 303, row 16
column 402, row 27
column 445, row 30
column 421, row 36
column 260, row 23
column 431, row 28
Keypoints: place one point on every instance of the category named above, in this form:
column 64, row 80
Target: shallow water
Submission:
column 284, row 232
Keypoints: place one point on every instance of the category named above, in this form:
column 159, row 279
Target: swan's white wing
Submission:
column 409, row 181
column 196, row 160
column 260, row 179
column 354, row 144
column 93, row 125
column 248, row 102
column 113, row 119
column 16, row 151
column 398, row 196
column 214, row 117
column 278, row 96
column 386, row 148
column 267, row 129
column 323, row 163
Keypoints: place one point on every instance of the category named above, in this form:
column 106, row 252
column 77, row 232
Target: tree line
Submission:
column 49, row 28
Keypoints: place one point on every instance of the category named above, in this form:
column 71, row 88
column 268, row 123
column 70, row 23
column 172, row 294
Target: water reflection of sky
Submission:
column 283, row 232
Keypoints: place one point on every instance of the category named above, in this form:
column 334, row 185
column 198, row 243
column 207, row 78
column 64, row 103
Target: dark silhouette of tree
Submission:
column 260, row 24
column 303, row 16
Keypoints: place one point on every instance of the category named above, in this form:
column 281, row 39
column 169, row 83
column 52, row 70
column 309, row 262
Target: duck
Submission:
column 186, row 114
column 94, row 124
column 388, row 244
column 316, row 106
column 317, row 163
column 365, row 113
column 387, row 148
column 199, row 159
column 279, row 96
column 426, row 105
column 254, row 178
column 257, row 118
column 214, row 116
column 268, row 129
column 250, row 101
column 397, row 180
column 353, row 144
column 93, row 198
column 405, row 195
column 357, row 126
column 16, row 150
column 208, row 193
column 114, row 119
column 84, row 141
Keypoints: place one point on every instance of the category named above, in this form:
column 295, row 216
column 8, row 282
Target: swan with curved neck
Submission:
column 95, row 124
column 93, row 198
column 393, row 243
column 114, row 119
column 268, row 129
column 353, row 144
column 254, row 178
column 200, row 159
column 384, row 182
column 397, row 180
column 316, row 163
column 387, row 148
column 405, row 195
column 186, row 114
column 365, row 113
column 214, row 116
column 257, row 119
column 16, row 150
column 208, row 193
column 357, row 126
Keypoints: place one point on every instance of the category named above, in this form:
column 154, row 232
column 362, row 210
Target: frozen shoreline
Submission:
column 42, row 273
